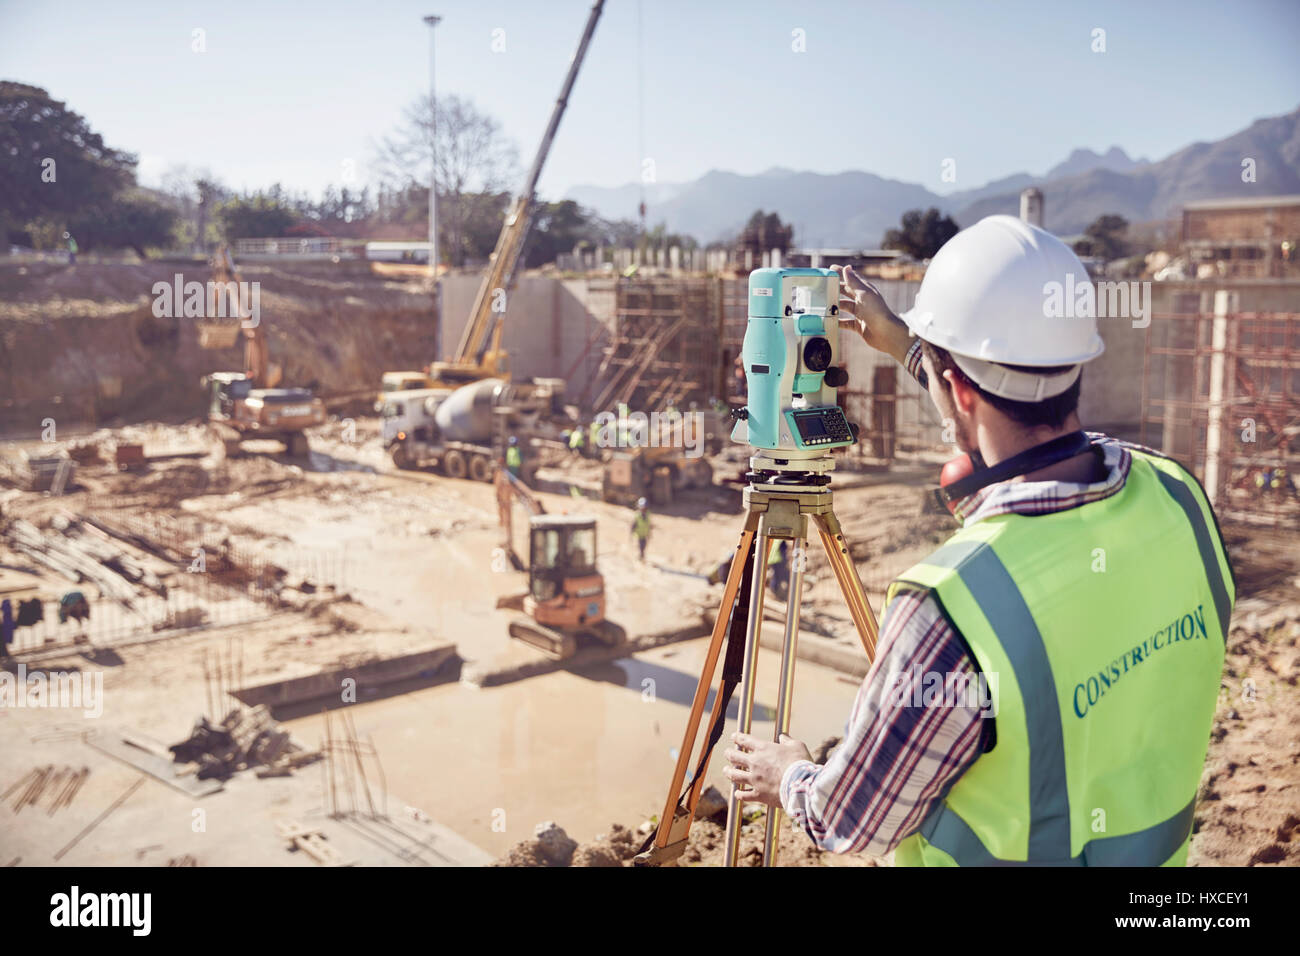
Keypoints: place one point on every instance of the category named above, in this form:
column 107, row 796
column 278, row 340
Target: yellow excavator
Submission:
column 252, row 404
column 565, row 600
column 479, row 354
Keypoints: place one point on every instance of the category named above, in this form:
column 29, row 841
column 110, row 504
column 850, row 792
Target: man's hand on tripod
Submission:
column 761, row 764
column 863, row 310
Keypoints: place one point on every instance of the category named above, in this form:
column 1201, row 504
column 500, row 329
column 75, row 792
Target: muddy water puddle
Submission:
column 583, row 748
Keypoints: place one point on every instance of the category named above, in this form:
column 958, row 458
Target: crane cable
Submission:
column 640, row 110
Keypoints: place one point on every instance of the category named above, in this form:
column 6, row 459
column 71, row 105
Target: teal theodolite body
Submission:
column 792, row 365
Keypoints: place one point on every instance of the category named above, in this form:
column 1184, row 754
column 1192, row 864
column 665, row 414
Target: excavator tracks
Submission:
column 554, row 644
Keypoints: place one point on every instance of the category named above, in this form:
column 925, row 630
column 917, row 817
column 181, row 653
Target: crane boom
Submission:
column 479, row 353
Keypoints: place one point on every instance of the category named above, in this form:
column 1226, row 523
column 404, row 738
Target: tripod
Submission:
column 778, row 503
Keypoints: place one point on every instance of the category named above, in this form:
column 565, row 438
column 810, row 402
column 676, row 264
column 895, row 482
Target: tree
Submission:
column 921, row 234
column 193, row 193
column 484, row 215
column 52, row 164
column 1105, row 238
column 473, row 158
column 133, row 220
column 559, row 227
column 258, row 216
column 765, row 232
column 620, row 233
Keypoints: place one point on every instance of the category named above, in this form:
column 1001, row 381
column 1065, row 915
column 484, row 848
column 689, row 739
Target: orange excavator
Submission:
column 565, row 600
column 251, row 404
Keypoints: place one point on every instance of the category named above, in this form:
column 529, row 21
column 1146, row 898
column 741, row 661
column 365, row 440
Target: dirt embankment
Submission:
column 81, row 344
column 1248, row 811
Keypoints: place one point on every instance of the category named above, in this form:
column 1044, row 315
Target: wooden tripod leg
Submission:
column 666, row 835
column 837, row 551
column 785, row 684
column 748, row 680
column 716, row 716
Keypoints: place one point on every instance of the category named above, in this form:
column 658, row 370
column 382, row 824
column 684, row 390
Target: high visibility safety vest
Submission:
column 1100, row 634
column 641, row 525
column 513, row 458
column 576, row 438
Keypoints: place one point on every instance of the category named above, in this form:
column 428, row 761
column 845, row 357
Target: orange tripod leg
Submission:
column 673, row 828
column 837, row 552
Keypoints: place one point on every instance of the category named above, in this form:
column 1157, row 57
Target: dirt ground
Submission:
column 373, row 562
column 1249, row 810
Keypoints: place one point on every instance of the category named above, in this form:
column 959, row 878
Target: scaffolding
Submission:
column 663, row 344
column 1221, row 394
column 679, row 340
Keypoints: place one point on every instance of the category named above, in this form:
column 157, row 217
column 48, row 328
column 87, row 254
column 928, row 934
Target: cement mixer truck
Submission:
column 463, row 432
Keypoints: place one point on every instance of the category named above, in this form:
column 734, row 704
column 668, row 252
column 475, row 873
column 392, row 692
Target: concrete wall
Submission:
column 550, row 325
column 550, row 322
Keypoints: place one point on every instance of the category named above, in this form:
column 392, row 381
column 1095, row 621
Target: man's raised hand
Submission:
column 863, row 310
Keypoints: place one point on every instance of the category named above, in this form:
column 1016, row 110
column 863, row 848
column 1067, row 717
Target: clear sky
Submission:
column 291, row 91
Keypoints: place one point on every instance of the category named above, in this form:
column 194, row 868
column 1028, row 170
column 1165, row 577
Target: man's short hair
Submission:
column 1050, row 412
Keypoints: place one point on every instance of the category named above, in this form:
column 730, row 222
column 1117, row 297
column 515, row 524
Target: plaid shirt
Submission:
column 899, row 755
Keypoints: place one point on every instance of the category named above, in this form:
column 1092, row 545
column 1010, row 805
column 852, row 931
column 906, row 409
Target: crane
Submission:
column 479, row 354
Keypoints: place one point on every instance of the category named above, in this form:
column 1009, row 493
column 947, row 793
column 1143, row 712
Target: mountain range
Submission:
column 855, row 208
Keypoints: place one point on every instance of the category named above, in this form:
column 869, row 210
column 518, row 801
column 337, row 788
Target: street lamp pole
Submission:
column 433, row 196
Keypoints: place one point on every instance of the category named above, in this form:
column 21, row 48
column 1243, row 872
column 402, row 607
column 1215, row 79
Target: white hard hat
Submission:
column 640, row 502
column 1004, row 291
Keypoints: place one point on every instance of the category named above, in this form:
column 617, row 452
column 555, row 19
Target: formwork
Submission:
column 1221, row 394
column 663, row 345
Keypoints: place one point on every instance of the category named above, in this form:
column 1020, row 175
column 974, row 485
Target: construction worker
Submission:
column 641, row 526
column 514, row 458
column 1046, row 681
column 576, row 441
column 505, row 501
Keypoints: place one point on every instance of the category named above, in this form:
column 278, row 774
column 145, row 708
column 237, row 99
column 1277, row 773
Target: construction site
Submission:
column 407, row 567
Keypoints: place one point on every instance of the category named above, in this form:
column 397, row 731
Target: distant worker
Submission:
column 514, row 458
column 1075, row 622
column 778, row 570
column 505, row 501
column 7, row 626
column 641, row 526
column 1274, row 480
column 72, row 249
column 74, row 605
column 577, row 438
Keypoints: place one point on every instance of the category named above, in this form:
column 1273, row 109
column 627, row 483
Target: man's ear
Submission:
column 963, row 396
